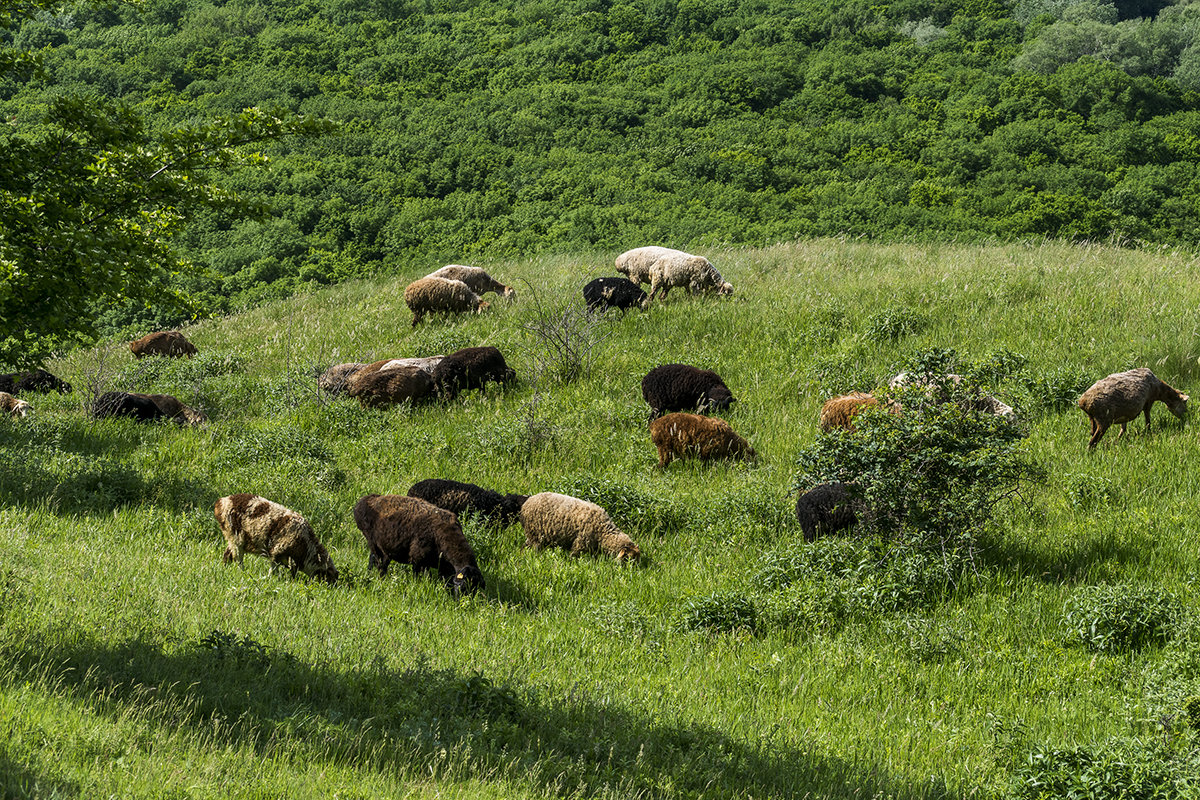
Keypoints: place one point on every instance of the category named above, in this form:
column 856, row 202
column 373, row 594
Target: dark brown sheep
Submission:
column 1122, row 396
column 682, row 435
column 470, row 368
column 681, row 387
column 162, row 343
column 826, row 509
column 38, row 380
column 146, row 408
column 412, row 531
column 464, row 498
column 253, row 524
column 388, row 387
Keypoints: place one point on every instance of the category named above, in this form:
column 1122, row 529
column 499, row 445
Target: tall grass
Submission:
column 134, row 663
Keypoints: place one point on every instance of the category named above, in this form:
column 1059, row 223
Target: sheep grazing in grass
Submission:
column 1122, row 396
column 682, row 269
column 410, row 530
column 13, row 406
column 984, row 403
column 433, row 295
column 389, row 387
column 467, row 498
column 826, row 509
column 38, row 380
column 558, row 520
column 682, row 435
column 162, row 343
column 146, row 408
column 602, row 294
column 253, row 524
column 635, row 263
column 333, row 380
column 681, row 387
column 839, row 412
column 470, row 368
column 476, row 279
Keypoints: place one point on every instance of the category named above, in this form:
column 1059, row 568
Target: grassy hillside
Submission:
column 133, row 663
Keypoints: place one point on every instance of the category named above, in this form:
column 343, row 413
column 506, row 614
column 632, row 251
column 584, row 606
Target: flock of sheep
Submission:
column 422, row 529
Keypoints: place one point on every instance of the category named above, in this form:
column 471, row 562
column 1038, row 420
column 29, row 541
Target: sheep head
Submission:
column 466, row 580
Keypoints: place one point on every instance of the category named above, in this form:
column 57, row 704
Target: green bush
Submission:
column 719, row 613
column 1115, row 770
column 1109, row 619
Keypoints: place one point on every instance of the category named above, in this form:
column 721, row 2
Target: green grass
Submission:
column 133, row 663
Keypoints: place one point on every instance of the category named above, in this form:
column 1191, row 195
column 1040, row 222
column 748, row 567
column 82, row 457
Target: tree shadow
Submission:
column 1067, row 564
column 19, row 782
column 93, row 486
column 441, row 723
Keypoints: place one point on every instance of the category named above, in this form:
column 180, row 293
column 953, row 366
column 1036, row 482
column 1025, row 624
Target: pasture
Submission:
column 134, row 663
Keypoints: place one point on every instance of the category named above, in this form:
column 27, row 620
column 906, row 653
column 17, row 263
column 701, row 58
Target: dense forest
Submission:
column 472, row 130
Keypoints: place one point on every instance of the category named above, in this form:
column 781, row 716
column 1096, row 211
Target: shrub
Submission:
column 1116, row 770
column 719, row 613
column 1109, row 618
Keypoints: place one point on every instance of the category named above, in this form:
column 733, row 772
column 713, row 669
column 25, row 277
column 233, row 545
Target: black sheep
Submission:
column 826, row 509
column 145, row 408
column 37, row 380
column 462, row 498
column 412, row 531
column 470, row 368
column 605, row 293
column 679, row 387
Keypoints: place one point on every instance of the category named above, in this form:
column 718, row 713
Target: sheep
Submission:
column 476, row 279
column 602, row 294
column 681, row 387
column 682, row 435
column 145, row 408
column 412, row 531
column 470, row 368
column 463, row 498
column 428, row 295
column 681, row 269
column 162, row 343
column 386, row 387
column 558, row 520
column 984, row 403
column 635, row 263
column 427, row 363
column 13, row 406
column 253, row 524
column 826, row 509
column 38, row 380
column 839, row 412
column 334, row 380
column 1119, row 398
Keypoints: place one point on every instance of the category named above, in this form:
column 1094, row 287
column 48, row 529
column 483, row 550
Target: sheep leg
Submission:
column 1097, row 433
column 1147, row 413
column 1122, row 433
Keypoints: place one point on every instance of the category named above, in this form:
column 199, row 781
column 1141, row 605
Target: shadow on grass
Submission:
column 18, row 782
column 1070, row 563
column 439, row 723
column 93, row 486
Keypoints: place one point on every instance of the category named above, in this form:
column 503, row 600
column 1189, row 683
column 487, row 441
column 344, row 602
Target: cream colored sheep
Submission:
column 682, row 269
column 635, row 263
column 558, row 520
column 429, row 295
column 476, row 279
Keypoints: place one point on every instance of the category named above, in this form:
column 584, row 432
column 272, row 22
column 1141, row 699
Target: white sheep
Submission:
column 635, row 263
column 476, row 279
column 558, row 520
column 682, row 269
column 428, row 295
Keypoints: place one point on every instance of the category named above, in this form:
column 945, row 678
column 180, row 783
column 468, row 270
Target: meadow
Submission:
column 134, row 663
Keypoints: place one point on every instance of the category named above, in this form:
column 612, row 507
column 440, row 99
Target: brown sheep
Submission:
column 1122, row 396
column 412, row 531
column 476, row 279
column 429, row 295
column 162, row 343
column 333, row 380
column 253, row 524
column 682, row 435
column 839, row 412
column 558, row 520
column 13, row 406
column 387, row 387
column 146, row 408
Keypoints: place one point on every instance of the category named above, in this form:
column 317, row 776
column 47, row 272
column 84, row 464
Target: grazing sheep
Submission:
column 681, row 269
column 986, row 403
column 333, row 380
column 839, row 412
column 13, row 406
column 162, row 343
column 476, row 279
column 635, row 263
column 470, row 368
column 558, row 520
column 605, row 293
column 37, row 380
column 826, row 509
column 464, row 498
column 680, row 387
column 388, row 387
column 253, row 524
column 412, row 531
column 146, row 408
column 428, row 363
column 1119, row 398
column 682, row 435
column 429, row 295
